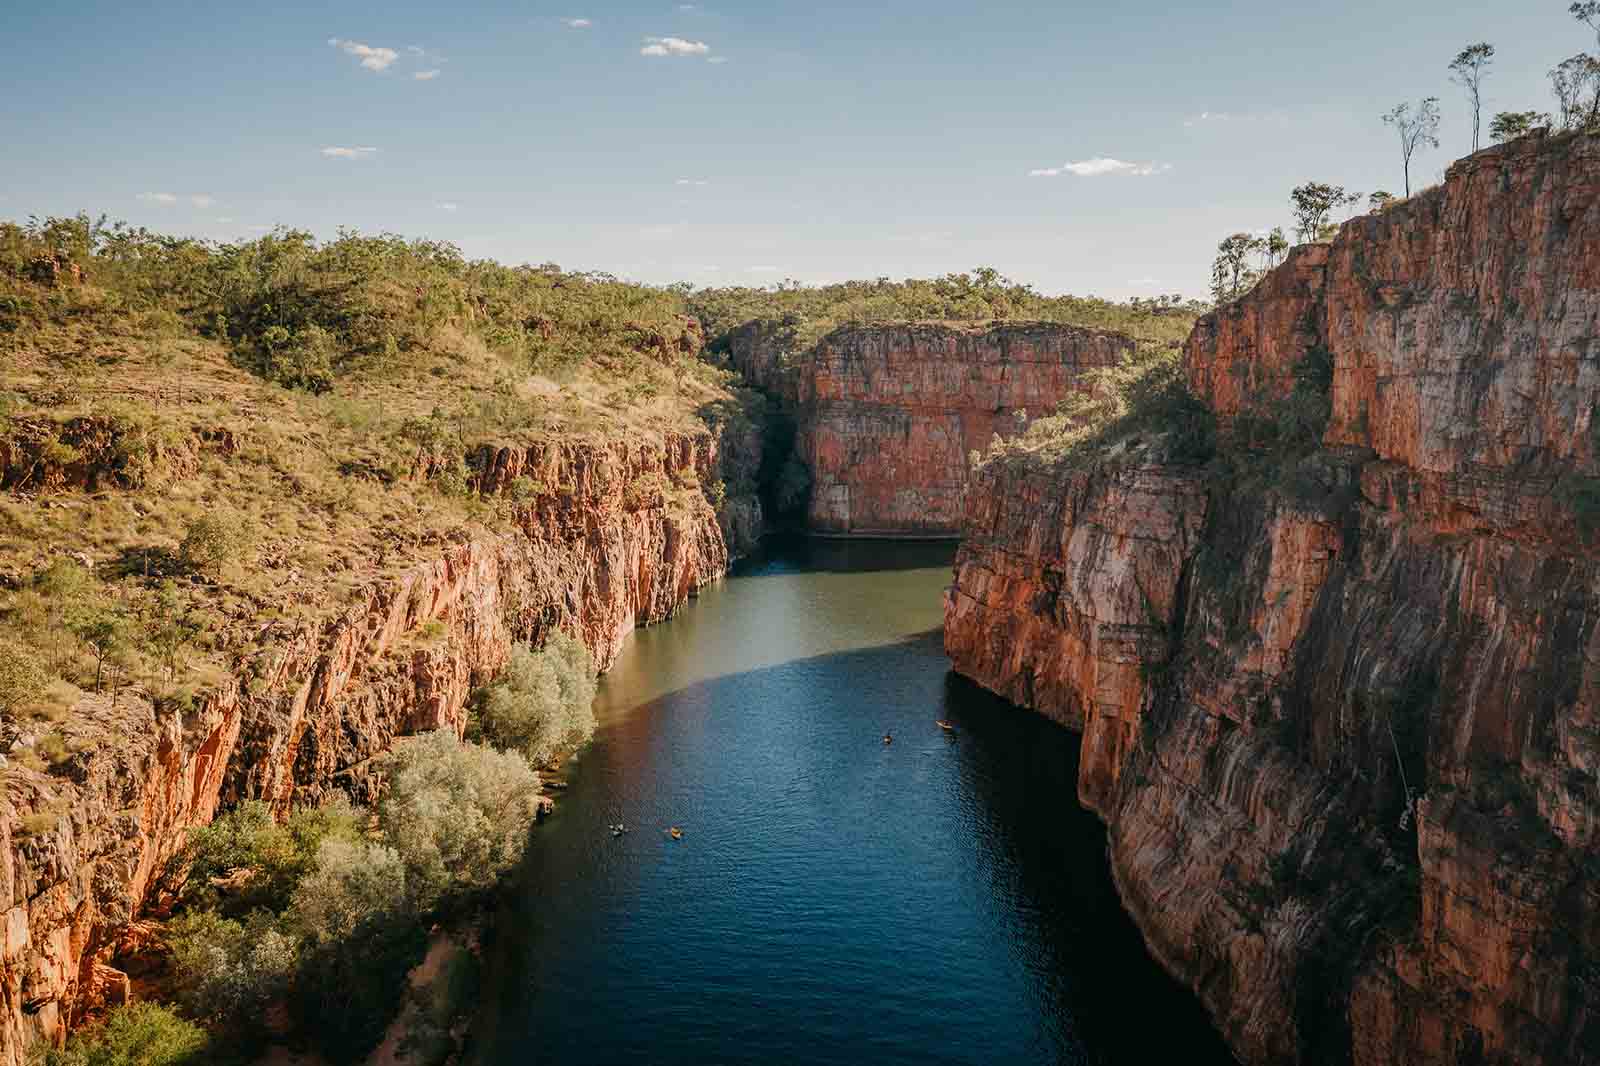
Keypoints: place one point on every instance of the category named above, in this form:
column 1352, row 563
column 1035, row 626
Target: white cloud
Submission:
column 691, row 181
column 717, row 59
column 448, row 206
column 371, row 58
column 1098, row 167
column 425, row 75
column 158, row 198
column 577, row 24
column 688, row 7
column 1208, row 116
column 336, row 152
column 673, row 46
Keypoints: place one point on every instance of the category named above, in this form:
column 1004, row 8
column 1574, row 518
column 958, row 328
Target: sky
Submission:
column 1096, row 149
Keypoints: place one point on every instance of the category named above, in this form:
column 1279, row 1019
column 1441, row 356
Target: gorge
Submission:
column 1321, row 608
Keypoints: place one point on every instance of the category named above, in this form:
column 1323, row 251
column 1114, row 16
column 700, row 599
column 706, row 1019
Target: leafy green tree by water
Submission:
column 544, row 701
column 139, row 1034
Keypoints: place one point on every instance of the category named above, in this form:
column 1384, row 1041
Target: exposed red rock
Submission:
column 1264, row 664
column 614, row 534
column 888, row 416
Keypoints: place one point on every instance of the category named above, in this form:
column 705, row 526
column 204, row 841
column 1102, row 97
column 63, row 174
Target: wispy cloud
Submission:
column 717, row 59
column 577, row 24
column 1100, row 166
column 371, row 58
column 448, row 206
column 158, row 197
column 425, row 75
column 673, row 46
column 686, row 8
column 1206, row 117
column 691, row 181
column 337, row 152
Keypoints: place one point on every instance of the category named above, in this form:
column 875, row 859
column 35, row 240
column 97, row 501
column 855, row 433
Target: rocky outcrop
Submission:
column 1342, row 710
column 609, row 535
column 888, row 416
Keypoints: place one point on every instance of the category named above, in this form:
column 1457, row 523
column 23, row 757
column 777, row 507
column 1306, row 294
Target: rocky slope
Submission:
column 889, row 415
column 616, row 533
column 1341, row 714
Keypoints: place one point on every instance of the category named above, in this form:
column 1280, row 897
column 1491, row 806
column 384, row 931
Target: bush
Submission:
column 209, row 541
column 22, row 677
column 544, row 701
column 276, row 856
column 458, row 814
column 348, row 991
column 354, row 880
column 228, row 971
column 140, row 1034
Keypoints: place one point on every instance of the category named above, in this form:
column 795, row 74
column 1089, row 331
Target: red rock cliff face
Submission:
column 888, row 415
column 617, row 534
column 1266, row 666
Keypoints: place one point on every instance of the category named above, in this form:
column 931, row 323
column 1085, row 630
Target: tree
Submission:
column 544, row 700
column 1509, row 125
column 1576, row 85
column 1468, row 69
column 1275, row 246
column 208, row 541
column 1314, row 202
column 1416, row 128
column 1231, row 275
column 63, row 585
column 104, row 631
column 1588, row 12
column 1380, row 200
column 458, row 814
column 172, row 625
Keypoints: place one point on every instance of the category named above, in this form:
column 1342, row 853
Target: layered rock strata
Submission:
column 1341, row 713
column 889, row 416
column 609, row 535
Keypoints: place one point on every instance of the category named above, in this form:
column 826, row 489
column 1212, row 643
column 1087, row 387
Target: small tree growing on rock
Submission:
column 1509, row 125
column 1314, row 203
column 1417, row 127
column 1231, row 274
column 22, row 677
column 1468, row 69
column 209, row 541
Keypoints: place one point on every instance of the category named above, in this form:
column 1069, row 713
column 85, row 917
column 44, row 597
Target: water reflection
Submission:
column 834, row 899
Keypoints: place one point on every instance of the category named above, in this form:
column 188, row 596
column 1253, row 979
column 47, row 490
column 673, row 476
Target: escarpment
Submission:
column 604, row 535
column 888, row 416
column 1341, row 704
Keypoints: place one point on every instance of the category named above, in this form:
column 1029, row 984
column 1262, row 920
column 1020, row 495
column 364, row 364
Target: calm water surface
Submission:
column 833, row 899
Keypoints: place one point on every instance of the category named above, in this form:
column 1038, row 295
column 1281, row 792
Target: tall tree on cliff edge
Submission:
column 1416, row 128
column 1468, row 69
column 1314, row 203
column 1576, row 85
column 1231, row 274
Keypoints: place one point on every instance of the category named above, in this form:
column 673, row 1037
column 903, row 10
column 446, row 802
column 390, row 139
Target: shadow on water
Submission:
column 797, row 553
column 940, row 899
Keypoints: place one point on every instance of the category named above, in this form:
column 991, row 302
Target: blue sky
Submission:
column 743, row 142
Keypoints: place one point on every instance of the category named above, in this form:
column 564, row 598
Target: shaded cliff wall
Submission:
column 618, row 534
column 888, row 415
column 1341, row 712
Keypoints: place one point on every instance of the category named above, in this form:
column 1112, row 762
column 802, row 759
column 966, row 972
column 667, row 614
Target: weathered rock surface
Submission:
column 888, row 415
column 1270, row 667
column 612, row 534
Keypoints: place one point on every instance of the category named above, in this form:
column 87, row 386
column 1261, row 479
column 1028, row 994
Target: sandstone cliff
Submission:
column 1341, row 712
column 615, row 533
column 888, row 415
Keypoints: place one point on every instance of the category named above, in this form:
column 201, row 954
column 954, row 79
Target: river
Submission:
column 833, row 899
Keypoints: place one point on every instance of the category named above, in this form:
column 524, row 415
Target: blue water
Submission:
column 833, row 899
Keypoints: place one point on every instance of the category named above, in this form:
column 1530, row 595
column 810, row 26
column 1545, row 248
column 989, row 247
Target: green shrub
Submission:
column 22, row 676
column 227, row 971
column 544, row 701
column 139, row 1034
column 458, row 815
column 354, row 881
column 210, row 540
column 276, row 856
column 348, row 991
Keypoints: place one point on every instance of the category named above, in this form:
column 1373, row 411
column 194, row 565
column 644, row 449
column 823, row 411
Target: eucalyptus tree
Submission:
column 1509, row 125
column 1468, row 69
column 1417, row 128
column 1231, row 273
column 1314, row 203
